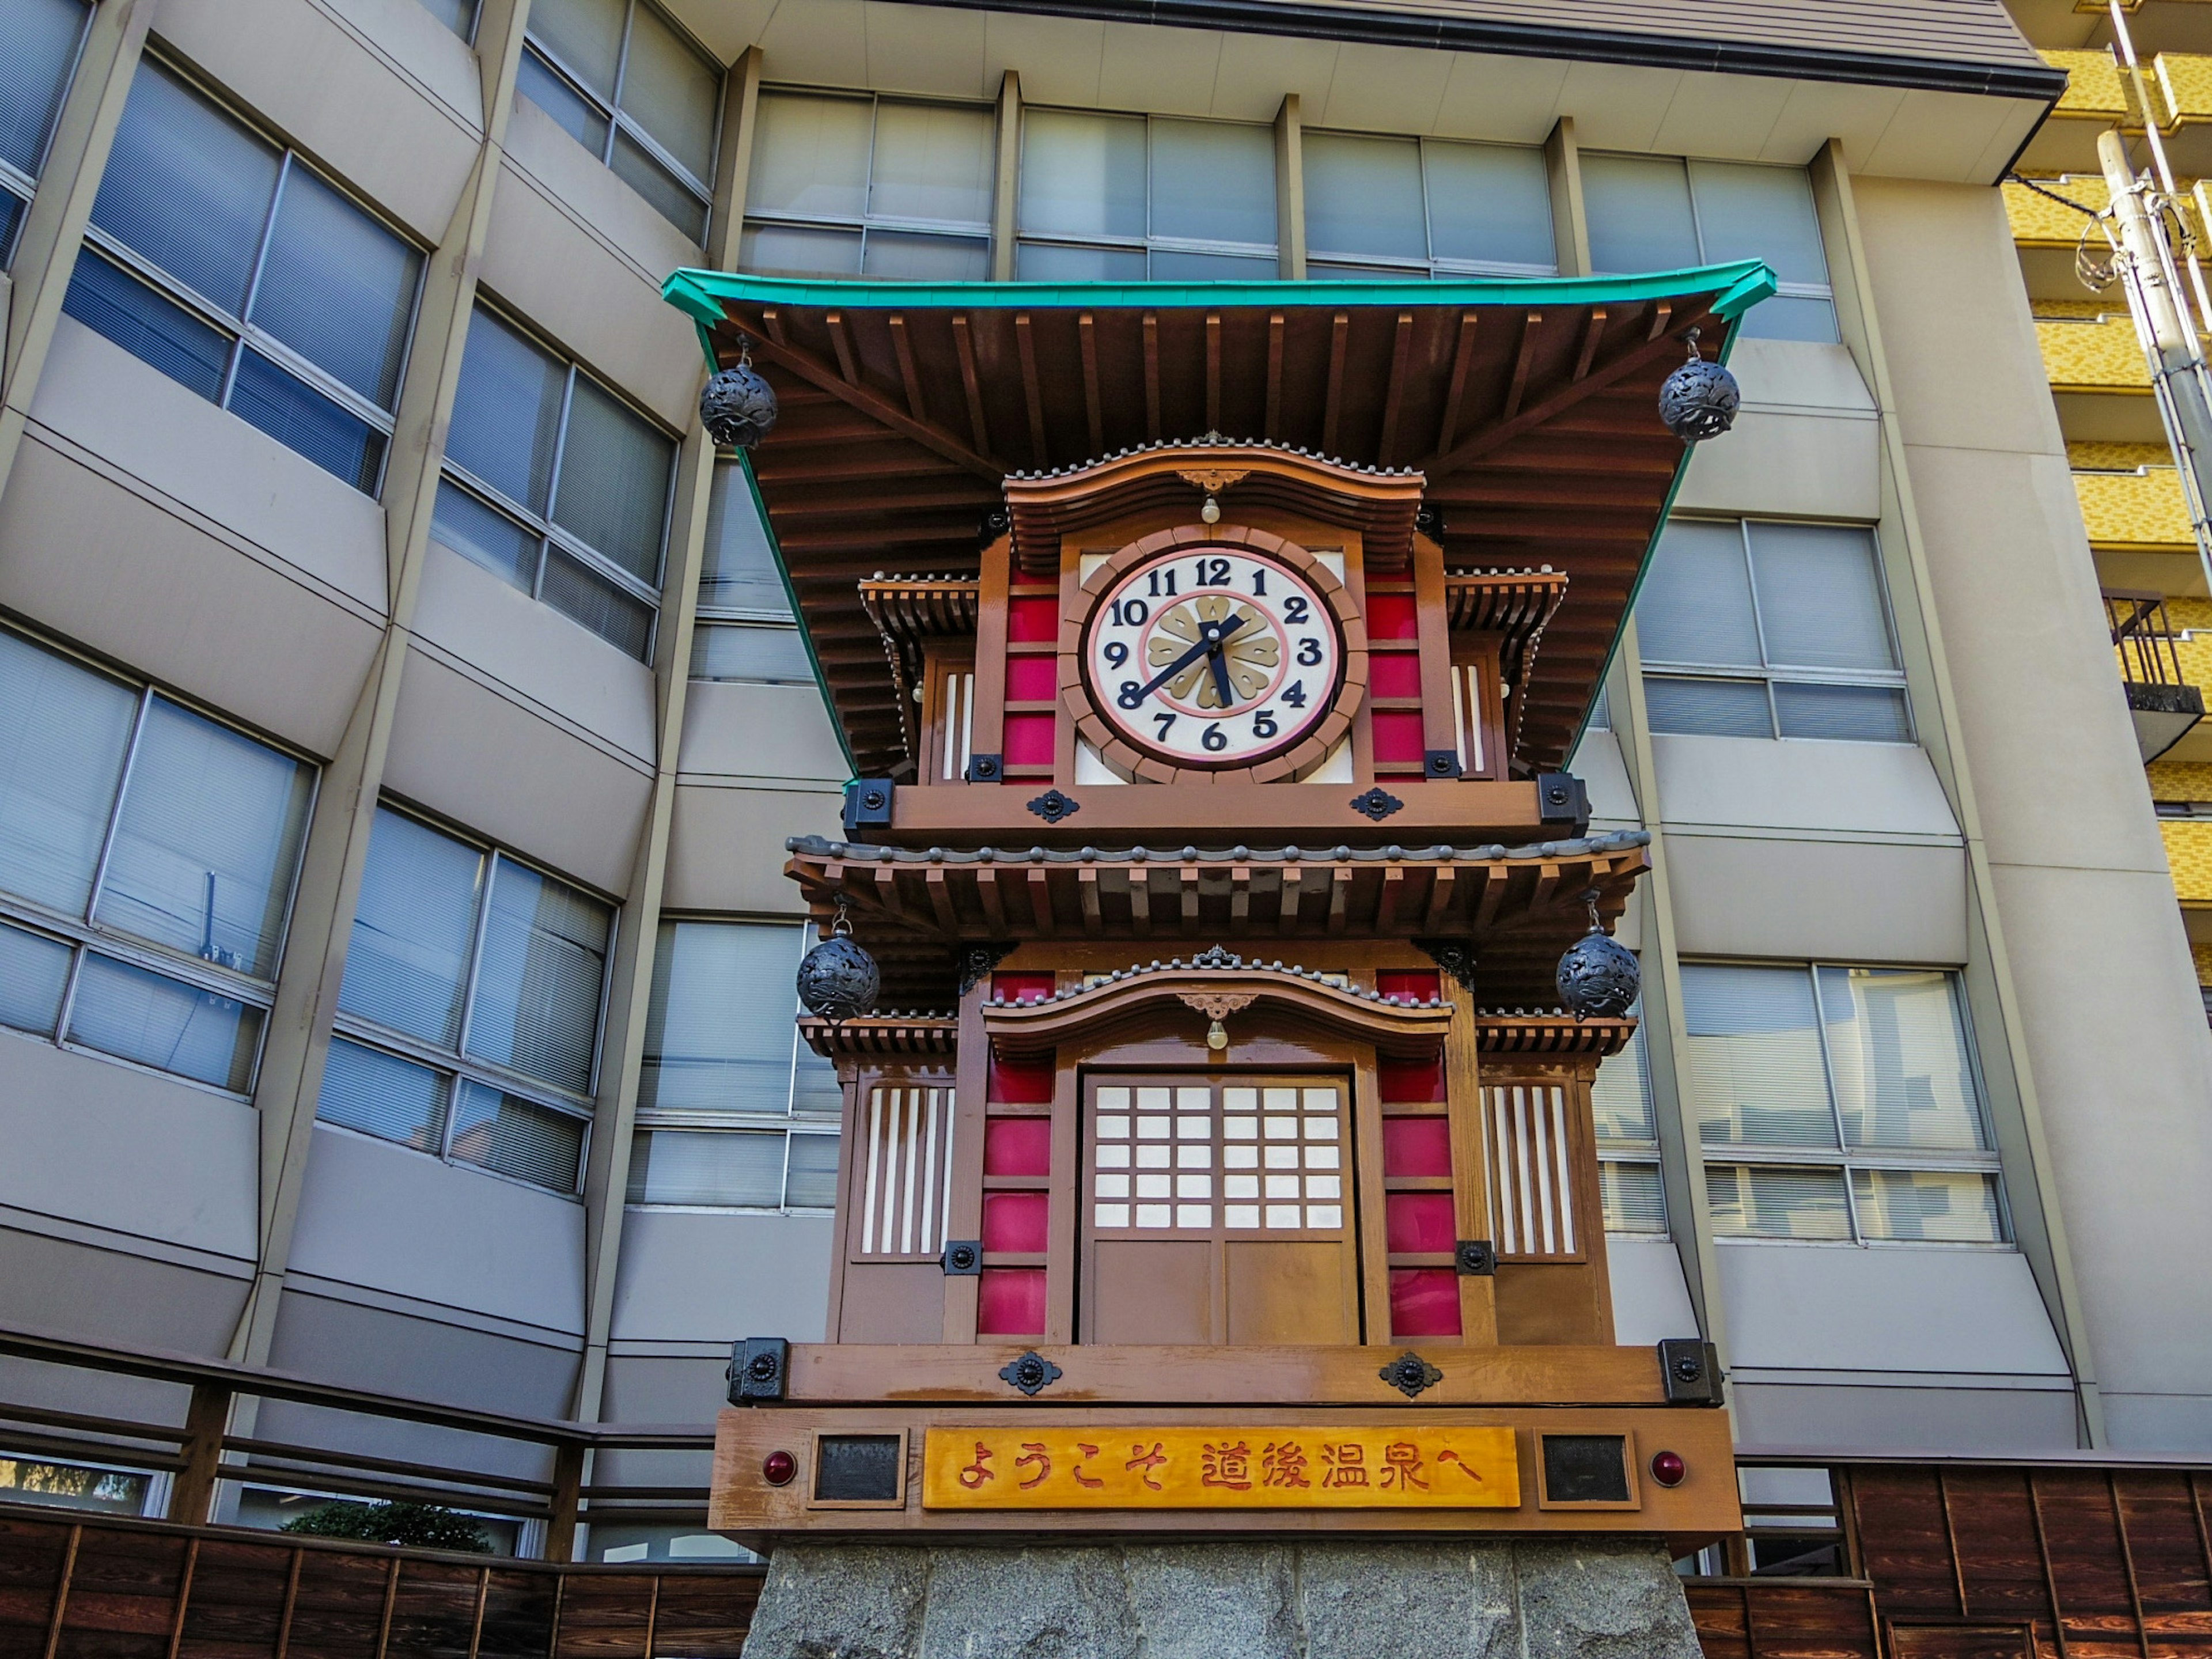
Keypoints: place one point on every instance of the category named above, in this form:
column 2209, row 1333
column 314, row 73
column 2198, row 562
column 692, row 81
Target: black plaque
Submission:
column 1585, row 1469
column 860, row 1468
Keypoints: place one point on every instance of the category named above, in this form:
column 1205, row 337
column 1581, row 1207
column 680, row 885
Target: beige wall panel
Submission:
column 1058, row 59
column 1799, row 377
column 1651, row 1298
column 1167, row 71
column 1258, row 70
column 1818, row 110
column 1952, row 135
column 1617, row 105
column 822, row 43
column 462, row 749
column 114, row 572
column 1726, row 117
column 390, row 1352
column 1515, row 100
column 1597, row 763
column 726, row 847
column 595, row 292
column 1789, row 466
column 1384, row 89
column 2000, row 1422
column 1833, row 900
column 940, row 53
column 1767, row 783
column 762, row 732
column 113, row 1296
column 394, row 113
column 535, row 651
column 688, row 1276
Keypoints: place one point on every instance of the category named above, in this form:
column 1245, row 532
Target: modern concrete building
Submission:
column 402, row 713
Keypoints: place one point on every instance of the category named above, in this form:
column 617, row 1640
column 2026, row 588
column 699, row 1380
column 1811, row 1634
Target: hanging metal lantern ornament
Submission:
column 1700, row 399
column 1598, row 975
column 837, row 979
column 738, row 405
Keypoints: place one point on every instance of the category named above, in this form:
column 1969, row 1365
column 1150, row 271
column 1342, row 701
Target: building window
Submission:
column 745, row 629
column 458, row 16
column 233, row 267
column 860, row 186
column 1657, row 213
column 626, row 82
column 1757, row 630
column 553, row 485
column 1127, row 199
column 1635, row 1198
column 44, row 38
column 1838, row 1104
column 734, row 1110
column 1381, row 208
column 468, row 1020
column 148, row 856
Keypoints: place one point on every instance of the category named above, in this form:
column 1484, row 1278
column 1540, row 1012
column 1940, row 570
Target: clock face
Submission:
column 1211, row 656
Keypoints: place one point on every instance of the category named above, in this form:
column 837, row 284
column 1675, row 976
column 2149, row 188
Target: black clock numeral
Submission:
column 1263, row 722
column 1208, row 573
column 1295, row 695
column 1294, row 609
column 1163, row 583
column 1131, row 613
column 1166, row 723
column 1214, row 738
column 1309, row 652
column 1116, row 653
column 1259, row 584
column 1128, row 696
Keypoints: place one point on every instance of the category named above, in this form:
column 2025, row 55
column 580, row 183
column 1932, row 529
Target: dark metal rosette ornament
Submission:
column 1598, row 976
column 1700, row 399
column 837, row 979
column 738, row 405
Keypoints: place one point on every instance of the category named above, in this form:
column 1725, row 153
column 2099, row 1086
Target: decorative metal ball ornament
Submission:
column 837, row 979
column 1598, row 976
column 738, row 406
column 1700, row 399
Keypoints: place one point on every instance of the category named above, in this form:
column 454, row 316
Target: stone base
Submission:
column 1573, row 1598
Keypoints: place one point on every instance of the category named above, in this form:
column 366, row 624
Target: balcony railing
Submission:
column 2162, row 702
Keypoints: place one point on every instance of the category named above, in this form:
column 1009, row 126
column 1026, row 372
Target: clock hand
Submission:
column 1217, row 661
column 1219, row 631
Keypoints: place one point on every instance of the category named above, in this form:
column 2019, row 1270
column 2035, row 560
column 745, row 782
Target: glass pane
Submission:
column 507, row 412
column 150, row 328
column 717, row 1167
column 1755, row 1200
column 1621, row 1098
column 73, row 1486
column 1490, row 203
column 583, row 595
column 32, row 970
column 585, row 35
column 1851, row 713
column 1213, row 181
column 1320, row 271
column 12, row 208
column 1172, row 265
column 1715, row 709
column 573, row 113
column 1083, row 175
column 337, row 287
column 1792, row 317
column 1639, row 214
column 512, row 1136
column 671, row 92
column 1819, row 596
column 932, row 161
column 42, row 37
column 302, row 419
column 157, row 1021
column 1363, row 196
column 773, row 656
column 458, row 16
column 1695, row 604
column 187, row 188
column 1634, row 1199
column 678, row 202
column 904, row 255
column 800, row 251
column 413, row 927
column 1754, row 1067
column 738, row 569
column 537, row 1006
column 482, row 533
column 719, row 1031
column 381, row 1094
column 1897, row 1050
column 208, row 842
column 1054, row 262
column 814, row 1085
column 810, row 1182
column 63, row 730
column 615, row 474
column 811, row 156
column 1760, row 213
column 1928, row 1205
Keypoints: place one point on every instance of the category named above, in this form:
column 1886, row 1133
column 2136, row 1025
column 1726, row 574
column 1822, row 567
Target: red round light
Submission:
column 1668, row 1468
column 778, row 1467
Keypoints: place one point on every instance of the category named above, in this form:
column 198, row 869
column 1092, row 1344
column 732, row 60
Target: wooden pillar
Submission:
column 1290, row 190
column 1562, row 167
column 206, row 1420
column 568, row 1489
column 1470, row 1159
column 1004, row 199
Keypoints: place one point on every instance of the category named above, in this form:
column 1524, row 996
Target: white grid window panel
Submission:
column 959, row 708
column 906, row 1172
column 1249, row 1159
column 1531, row 1170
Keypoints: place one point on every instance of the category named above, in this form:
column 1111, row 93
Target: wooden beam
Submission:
column 964, row 342
column 1087, row 331
column 1394, row 396
column 1591, row 335
column 1462, row 356
column 1032, row 397
column 1151, row 376
column 847, row 368
column 1214, row 371
column 1560, row 401
column 1521, row 362
column 812, row 370
column 1339, row 332
column 902, row 347
column 1660, row 313
column 1271, row 425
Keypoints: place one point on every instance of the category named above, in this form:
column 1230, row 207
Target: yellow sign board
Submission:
column 1333, row 1467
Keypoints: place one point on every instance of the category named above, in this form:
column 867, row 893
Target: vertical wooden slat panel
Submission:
column 391, row 1600
column 184, row 1596
column 2050, row 1573
column 62, row 1591
column 476, row 1620
column 291, row 1603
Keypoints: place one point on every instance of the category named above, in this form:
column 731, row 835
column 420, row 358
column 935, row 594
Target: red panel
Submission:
column 1397, row 737
column 1010, row 1302
column 1034, row 679
column 1034, row 621
column 1416, row 1223
column 1410, row 985
column 1404, row 1082
column 1392, row 617
column 1023, row 987
column 1029, row 742
column 1416, row 1146
column 1018, row 1221
column 1017, row 1146
column 1395, row 674
column 1015, row 1084
column 1424, row 1302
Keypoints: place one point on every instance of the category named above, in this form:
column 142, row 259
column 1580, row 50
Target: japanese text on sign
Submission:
column 1333, row 1467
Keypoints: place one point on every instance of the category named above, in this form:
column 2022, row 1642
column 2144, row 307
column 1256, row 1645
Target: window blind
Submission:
column 615, row 475
column 775, row 656
column 1819, row 596
column 1898, row 1052
column 1634, row 1199
column 1364, row 197
column 933, row 162
column 539, row 978
column 1082, row 175
column 1621, row 1098
column 1639, row 214
column 382, row 1095
column 1754, row 1056
column 1490, row 205
column 336, row 288
column 1695, row 606
column 513, row 1136
column 1213, row 181
column 135, row 1015
column 583, row 595
column 810, row 1181
column 34, row 968
column 413, row 930
column 63, row 731
column 304, row 420
column 670, row 92
column 738, row 1168
column 149, row 327
column 42, row 37
column 507, row 412
column 719, row 1027
column 1762, row 1201
column 1933, row 1206
column 738, row 572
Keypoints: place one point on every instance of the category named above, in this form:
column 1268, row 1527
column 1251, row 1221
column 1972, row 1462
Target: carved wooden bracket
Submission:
column 1213, row 479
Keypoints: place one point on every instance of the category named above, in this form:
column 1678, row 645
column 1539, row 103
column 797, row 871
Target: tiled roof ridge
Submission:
column 1612, row 841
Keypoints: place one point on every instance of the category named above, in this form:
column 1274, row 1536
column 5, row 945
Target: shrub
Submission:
column 427, row 1526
